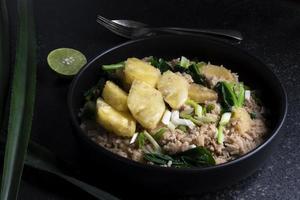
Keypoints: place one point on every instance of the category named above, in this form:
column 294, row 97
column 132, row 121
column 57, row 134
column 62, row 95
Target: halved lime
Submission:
column 66, row 61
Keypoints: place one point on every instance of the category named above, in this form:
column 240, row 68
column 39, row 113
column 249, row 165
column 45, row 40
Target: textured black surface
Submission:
column 271, row 32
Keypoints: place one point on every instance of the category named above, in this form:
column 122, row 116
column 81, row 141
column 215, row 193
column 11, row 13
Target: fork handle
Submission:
column 217, row 32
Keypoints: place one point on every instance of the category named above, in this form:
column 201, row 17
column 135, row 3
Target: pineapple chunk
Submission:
column 146, row 104
column 243, row 120
column 122, row 124
column 219, row 72
column 136, row 69
column 115, row 96
column 174, row 89
column 200, row 94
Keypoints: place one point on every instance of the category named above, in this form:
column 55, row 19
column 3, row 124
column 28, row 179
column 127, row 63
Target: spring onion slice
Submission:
column 225, row 118
column 133, row 139
column 152, row 141
column 184, row 62
column 198, row 109
column 220, row 135
column 177, row 121
column 166, row 117
column 113, row 66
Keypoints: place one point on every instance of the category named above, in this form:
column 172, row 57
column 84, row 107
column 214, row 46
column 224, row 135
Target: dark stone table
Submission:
column 271, row 32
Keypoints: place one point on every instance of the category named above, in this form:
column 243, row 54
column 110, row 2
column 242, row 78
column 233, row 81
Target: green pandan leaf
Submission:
column 4, row 59
column 21, row 103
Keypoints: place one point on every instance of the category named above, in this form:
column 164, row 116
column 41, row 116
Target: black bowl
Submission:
column 121, row 172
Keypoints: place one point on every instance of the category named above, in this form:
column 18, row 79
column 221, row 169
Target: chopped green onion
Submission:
column 113, row 66
column 225, row 118
column 197, row 107
column 158, row 135
column 220, row 135
column 184, row 62
column 152, row 141
column 206, row 119
column 189, row 117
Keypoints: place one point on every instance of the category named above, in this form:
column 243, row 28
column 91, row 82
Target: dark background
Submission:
column 271, row 31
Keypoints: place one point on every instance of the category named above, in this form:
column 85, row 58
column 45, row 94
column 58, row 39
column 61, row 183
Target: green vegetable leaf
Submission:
column 93, row 93
column 160, row 64
column 141, row 140
column 158, row 159
column 22, row 103
column 192, row 70
column 196, row 157
column 232, row 94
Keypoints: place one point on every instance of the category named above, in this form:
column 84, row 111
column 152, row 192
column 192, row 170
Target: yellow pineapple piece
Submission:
column 136, row 69
column 115, row 96
column 213, row 71
column 243, row 120
column 146, row 104
column 174, row 89
column 120, row 123
column 200, row 94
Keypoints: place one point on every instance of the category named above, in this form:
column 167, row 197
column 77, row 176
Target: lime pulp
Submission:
column 66, row 61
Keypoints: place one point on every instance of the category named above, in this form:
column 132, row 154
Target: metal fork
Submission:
column 143, row 30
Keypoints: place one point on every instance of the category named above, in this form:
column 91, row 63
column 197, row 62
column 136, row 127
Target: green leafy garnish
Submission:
column 194, row 71
column 233, row 94
column 23, row 90
column 158, row 159
column 113, row 66
column 141, row 140
column 196, row 157
column 93, row 93
column 160, row 64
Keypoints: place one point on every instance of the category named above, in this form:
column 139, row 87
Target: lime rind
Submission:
column 66, row 61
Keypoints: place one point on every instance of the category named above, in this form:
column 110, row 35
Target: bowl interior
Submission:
column 251, row 71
